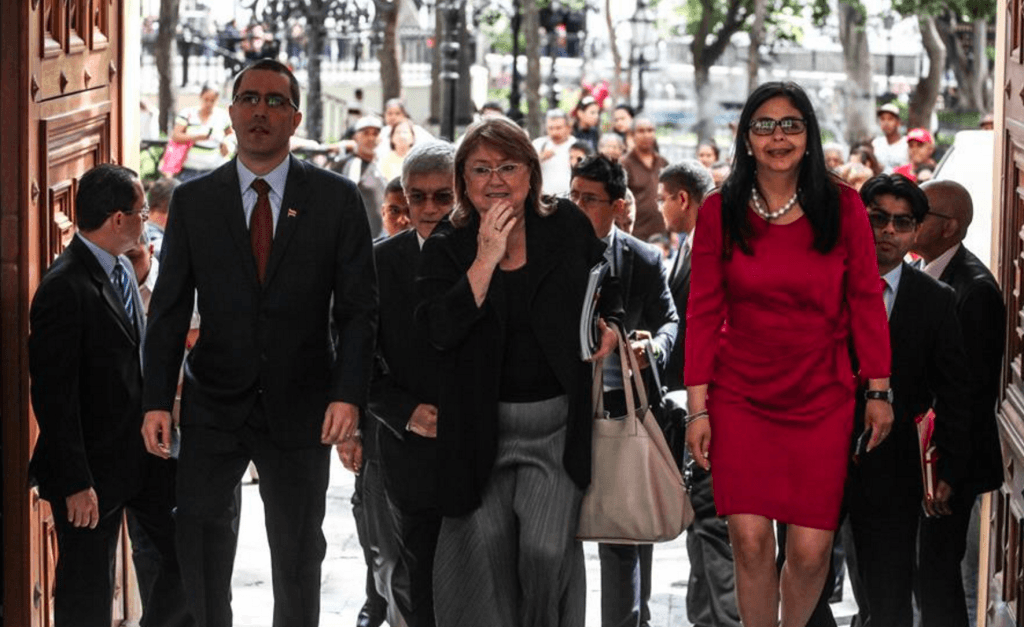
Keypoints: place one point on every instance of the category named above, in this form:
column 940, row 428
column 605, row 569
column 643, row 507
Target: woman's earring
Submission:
column 749, row 151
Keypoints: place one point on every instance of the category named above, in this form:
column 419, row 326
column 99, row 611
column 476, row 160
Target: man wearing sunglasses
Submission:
column 884, row 493
column 278, row 253
column 982, row 314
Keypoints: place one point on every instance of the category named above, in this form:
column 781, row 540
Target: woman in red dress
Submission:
column 784, row 289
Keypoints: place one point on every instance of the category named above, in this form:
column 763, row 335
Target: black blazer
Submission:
column 86, row 382
column 408, row 373
column 272, row 341
column 928, row 370
column 645, row 294
column 982, row 315
column 561, row 250
column 679, row 286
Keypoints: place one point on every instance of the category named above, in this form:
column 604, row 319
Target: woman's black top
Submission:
column 526, row 374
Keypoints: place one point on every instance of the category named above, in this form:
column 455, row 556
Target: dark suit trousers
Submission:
column 413, row 581
column 85, row 563
column 293, row 486
column 711, row 589
column 940, row 585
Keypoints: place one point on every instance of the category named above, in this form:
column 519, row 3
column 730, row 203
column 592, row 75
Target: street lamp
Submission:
column 552, row 27
column 450, row 65
column 890, row 61
column 643, row 36
column 514, row 95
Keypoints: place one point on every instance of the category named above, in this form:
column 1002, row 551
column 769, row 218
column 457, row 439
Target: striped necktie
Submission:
column 124, row 285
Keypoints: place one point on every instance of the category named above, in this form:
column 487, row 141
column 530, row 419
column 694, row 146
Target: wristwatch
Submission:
column 879, row 395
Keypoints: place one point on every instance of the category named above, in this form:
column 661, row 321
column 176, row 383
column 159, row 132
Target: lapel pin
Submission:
column 292, row 213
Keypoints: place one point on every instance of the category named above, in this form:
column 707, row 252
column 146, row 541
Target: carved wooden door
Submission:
column 61, row 92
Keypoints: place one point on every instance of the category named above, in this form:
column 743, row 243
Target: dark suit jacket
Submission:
column 561, row 250
column 645, row 294
column 982, row 315
column 84, row 360
column 928, row 370
column 679, row 286
column 272, row 341
column 408, row 373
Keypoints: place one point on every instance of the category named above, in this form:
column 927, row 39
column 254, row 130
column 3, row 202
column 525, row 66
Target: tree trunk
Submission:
column 531, row 26
column 616, row 57
column 464, row 89
column 922, row 100
column 702, row 87
column 165, row 63
column 756, row 37
column 859, row 101
column 964, row 68
column 390, row 52
column 705, row 54
column 979, row 66
column 315, row 35
column 436, row 103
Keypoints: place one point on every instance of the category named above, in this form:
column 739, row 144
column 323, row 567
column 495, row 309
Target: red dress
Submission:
column 771, row 334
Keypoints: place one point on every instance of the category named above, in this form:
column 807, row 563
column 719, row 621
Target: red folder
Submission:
column 929, row 454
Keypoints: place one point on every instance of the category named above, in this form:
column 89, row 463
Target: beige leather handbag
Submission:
column 636, row 493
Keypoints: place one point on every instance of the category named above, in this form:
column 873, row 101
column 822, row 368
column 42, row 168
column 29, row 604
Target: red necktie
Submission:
column 261, row 227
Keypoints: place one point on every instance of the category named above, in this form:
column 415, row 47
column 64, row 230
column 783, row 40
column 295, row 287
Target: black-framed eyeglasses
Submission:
column 789, row 126
column 440, row 198
column 588, row 200
column 251, row 99
column 901, row 223
column 143, row 212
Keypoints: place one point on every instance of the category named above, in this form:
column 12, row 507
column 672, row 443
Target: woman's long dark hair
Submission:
column 818, row 189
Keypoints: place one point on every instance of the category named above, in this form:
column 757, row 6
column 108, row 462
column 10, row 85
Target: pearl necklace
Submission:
column 771, row 215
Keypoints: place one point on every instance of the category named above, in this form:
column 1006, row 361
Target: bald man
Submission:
column 982, row 316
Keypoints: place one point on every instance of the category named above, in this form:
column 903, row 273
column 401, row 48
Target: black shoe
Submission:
column 370, row 615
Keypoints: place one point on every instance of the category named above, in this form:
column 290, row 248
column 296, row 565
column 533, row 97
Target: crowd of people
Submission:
column 425, row 323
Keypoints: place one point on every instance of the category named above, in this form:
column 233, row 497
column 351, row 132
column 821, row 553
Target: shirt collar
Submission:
column 107, row 261
column 938, row 265
column 892, row 278
column 276, row 178
column 610, row 238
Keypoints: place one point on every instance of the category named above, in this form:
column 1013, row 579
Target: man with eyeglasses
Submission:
column 85, row 361
column 599, row 188
column 402, row 412
column 884, row 493
column 277, row 253
column 982, row 314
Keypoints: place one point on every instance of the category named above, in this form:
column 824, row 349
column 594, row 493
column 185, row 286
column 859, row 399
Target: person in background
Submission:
column 587, row 121
column 395, row 112
column 553, row 151
column 361, row 167
column 159, row 201
column 708, row 153
column 981, row 311
column 514, row 443
column 491, row 108
column 208, row 128
column 642, row 165
column 612, row 146
column 625, row 220
column 720, row 172
column 855, row 174
column 768, row 351
column 394, row 212
column 579, row 151
column 833, row 156
column 920, row 147
column 402, row 138
column 865, row 155
column 890, row 147
column 622, row 124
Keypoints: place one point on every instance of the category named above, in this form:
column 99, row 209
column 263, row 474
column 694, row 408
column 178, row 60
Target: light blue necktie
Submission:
column 125, row 285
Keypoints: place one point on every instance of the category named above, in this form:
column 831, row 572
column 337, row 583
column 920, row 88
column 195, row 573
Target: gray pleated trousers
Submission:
column 515, row 561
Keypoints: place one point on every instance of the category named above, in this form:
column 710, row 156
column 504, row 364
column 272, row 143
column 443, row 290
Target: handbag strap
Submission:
column 631, row 379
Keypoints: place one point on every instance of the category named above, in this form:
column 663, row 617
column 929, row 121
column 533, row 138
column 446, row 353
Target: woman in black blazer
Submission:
column 502, row 286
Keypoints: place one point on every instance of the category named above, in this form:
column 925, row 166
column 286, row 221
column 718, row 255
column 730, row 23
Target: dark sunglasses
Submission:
column 441, row 198
column 766, row 126
column 902, row 223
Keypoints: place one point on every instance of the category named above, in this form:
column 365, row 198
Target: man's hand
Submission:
column 938, row 505
column 156, row 433
column 547, row 153
column 424, row 421
column 350, row 452
column 340, row 422
column 83, row 509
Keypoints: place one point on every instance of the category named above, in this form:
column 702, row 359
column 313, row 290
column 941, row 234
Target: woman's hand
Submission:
column 698, row 440
column 609, row 341
column 878, row 418
column 495, row 225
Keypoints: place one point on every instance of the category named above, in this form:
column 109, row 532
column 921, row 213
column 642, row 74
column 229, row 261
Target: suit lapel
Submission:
column 903, row 305
column 624, row 262
column 102, row 281
column 234, row 216
column 957, row 262
column 293, row 208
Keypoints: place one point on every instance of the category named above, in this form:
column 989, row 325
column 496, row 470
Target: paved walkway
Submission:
column 344, row 571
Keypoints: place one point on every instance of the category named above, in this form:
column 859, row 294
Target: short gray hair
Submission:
column 428, row 158
column 688, row 174
column 556, row 113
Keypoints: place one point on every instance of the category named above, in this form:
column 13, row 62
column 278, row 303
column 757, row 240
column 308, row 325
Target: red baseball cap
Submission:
column 920, row 135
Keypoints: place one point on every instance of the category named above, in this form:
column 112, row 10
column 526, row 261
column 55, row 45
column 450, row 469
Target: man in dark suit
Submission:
column 277, row 251
column 403, row 396
column 884, row 493
column 85, row 361
column 982, row 315
column 599, row 188
column 711, row 590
